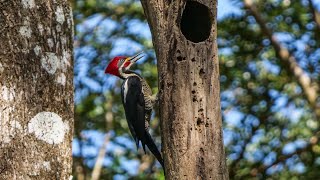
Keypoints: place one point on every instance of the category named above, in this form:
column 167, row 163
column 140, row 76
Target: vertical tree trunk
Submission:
column 184, row 36
column 36, row 89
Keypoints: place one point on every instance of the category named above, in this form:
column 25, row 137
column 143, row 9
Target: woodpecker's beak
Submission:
column 135, row 58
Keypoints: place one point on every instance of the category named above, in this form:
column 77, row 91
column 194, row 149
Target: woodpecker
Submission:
column 137, row 100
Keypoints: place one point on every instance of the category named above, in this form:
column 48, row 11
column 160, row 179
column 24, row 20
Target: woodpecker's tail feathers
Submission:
column 153, row 148
column 144, row 147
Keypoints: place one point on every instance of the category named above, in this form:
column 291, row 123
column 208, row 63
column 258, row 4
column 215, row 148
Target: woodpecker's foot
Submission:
column 157, row 99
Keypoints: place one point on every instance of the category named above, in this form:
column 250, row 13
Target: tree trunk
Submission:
column 184, row 37
column 36, row 89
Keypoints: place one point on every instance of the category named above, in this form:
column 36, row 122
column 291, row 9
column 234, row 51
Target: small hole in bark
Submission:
column 201, row 72
column 199, row 121
column 193, row 91
column 179, row 58
column 196, row 22
column 193, row 59
column 194, row 83
column 194, row 99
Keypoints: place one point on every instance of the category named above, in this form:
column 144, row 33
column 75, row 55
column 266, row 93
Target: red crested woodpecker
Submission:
column 137, row 100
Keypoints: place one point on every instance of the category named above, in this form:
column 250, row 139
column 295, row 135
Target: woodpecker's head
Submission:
column 121, row 63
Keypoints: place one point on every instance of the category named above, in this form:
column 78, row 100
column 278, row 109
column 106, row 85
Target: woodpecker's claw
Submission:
column 157, row 99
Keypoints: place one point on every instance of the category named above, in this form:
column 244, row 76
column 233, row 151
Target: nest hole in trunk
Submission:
column 196, row 22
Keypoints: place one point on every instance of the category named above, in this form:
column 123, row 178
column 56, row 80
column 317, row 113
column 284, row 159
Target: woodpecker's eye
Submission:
column 120, row 62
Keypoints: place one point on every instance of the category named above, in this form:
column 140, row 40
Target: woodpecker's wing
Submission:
column 133, row 103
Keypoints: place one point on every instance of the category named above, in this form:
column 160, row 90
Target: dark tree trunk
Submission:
column 36, row 89
column 184, row 37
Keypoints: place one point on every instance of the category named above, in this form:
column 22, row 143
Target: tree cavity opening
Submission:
column 196, row 22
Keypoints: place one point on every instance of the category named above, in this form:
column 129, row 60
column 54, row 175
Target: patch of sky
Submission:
column 228, row 95
column 233, row 156
column 284, row 37
column 316, row 55
column 289, row 148
column 233, row 117
column 280, row 102
column 139, row 28
column 275, row 143
column 107, row 161
column 115, row 148
column 292, row 161
column 274, row 169
column 92, row 84
column 254, row 121
column 257, row 156
column 81, row 67
column 256, row 138
column 294, row 164
column 237, row 148
column 227, row 136
column 254, row 155
column 271, row 67
column 285, row 133
column 92, row 21
column 104, row 31
column 80, row 94
column 316, row 4
column 249, row 122
column 120, row 177
column 125, row 46
column 292, row 147
column 270, row 158
column 225, row 51
column 299, row 167
column 290, row 111
column 273, row 93
column 121, row 1
column 126, row 141
column 224, row 47
column 108, row 82
column 227, row 8
column 130, row 166
column 300, row 143
column 75, row 147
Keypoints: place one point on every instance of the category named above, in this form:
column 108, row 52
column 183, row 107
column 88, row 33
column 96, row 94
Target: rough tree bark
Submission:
column 36, row 89
column 184, row 36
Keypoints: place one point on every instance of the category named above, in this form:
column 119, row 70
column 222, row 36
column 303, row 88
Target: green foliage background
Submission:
column 270, row 129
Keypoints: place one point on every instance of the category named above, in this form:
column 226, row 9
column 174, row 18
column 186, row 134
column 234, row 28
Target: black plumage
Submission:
column 134, row 105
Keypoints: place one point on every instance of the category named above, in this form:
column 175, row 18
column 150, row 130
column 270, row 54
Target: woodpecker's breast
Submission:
column 146, row 90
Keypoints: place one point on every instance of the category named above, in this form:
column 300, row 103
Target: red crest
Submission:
column 113, row 68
